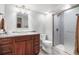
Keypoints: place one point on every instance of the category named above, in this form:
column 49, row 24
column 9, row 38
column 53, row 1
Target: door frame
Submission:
column 76, row 36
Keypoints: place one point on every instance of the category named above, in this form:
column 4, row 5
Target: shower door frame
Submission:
column 60, row 29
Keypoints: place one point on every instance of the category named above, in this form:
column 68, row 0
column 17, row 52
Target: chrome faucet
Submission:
column 4, row 31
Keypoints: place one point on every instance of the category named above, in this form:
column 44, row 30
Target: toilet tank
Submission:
column 43, row 36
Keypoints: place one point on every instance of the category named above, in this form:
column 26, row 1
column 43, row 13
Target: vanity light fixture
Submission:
column 27, row 10
column 22, row 9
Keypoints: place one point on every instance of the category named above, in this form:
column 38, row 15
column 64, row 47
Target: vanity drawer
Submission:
column 5, row 41
column 22, row 38
column 5, row 49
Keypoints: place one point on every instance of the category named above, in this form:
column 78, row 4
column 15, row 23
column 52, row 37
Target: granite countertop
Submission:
column 17, row 34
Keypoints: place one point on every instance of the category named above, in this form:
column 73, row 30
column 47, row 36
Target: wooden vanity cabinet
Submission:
column 20, row 45
column 6, row 46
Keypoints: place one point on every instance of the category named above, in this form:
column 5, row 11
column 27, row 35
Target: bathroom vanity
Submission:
column 24, row 42
column 20, row 44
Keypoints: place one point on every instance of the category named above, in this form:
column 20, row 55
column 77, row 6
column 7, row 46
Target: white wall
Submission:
column 48, row 24
column 10, row 16
column 41, row 23
column 70, row 19
column 2, row 8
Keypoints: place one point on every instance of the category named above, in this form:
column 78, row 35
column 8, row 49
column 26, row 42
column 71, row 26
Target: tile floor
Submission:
column 55, row 51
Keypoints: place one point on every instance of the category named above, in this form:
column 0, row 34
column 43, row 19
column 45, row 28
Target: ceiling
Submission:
column 52, row 8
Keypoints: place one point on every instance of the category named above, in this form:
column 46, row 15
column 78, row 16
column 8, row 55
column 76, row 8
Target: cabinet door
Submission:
column 20, row 48
column 6, row 46
column 29, row 47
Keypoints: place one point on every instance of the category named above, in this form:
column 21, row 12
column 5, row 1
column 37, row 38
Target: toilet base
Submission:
column 47, row 46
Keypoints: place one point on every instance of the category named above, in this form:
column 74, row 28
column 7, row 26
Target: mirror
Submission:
column 22, row 20
column 2, row 24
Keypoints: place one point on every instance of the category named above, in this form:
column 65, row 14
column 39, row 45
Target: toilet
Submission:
column 46, row 45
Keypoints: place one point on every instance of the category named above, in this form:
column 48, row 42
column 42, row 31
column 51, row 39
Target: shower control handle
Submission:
column 57, row 29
